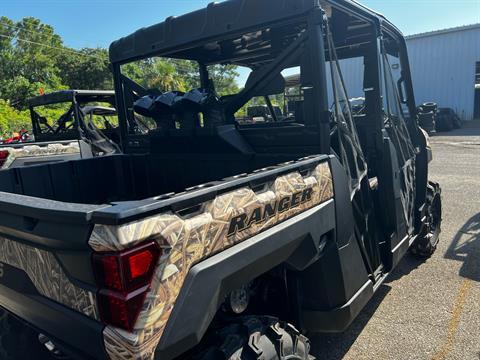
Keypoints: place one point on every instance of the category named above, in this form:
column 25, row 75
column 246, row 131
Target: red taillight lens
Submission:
column 4, row 154
column 139, row 264
column 109, row 273
column 124, row 279
column 121, row 310
column 126, row 271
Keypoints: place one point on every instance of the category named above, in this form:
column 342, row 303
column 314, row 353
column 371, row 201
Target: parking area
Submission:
column 429, row 309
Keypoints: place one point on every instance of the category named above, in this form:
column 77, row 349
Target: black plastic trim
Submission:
column 339, row 319
column 82, row 336
column 43, row 209
column 68, row 95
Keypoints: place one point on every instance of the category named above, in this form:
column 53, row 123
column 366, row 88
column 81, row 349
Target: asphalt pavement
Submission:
column 429, row 310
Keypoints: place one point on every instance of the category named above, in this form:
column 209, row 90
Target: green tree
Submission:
column 29, row 52
column 12, row 120
column 9, row 64
column 163, row 75
column 224, row 77
column 182, row 75
column 85, row 69
column 33, row 57
column 157, row 73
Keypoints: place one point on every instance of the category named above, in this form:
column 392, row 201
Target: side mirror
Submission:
column 276, row 86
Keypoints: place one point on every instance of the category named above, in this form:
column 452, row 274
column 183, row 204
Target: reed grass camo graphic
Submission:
column 47, row 276
column 186, row 241
column 35, row 150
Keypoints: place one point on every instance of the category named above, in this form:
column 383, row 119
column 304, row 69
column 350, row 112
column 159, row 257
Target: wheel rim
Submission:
column 435, row 214
column 435, row 219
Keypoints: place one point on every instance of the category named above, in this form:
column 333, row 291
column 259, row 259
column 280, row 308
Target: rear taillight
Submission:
column 4, row 154
column 124, row 279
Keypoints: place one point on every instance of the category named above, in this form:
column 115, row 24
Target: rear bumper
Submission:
column 76, row 334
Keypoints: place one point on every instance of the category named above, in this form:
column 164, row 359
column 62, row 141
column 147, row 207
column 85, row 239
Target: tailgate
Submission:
column 45, row 269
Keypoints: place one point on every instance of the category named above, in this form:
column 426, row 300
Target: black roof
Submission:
column 69, row 95
column 218, row 20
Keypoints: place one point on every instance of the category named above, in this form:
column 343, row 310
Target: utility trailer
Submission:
column 73, row 135
column 211, row 236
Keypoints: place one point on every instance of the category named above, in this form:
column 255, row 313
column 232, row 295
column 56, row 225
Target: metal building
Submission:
column 445, row 68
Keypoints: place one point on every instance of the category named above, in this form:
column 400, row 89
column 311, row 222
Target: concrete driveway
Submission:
column 429, row 309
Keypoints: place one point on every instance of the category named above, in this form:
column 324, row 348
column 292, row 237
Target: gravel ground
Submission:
column 429, row 309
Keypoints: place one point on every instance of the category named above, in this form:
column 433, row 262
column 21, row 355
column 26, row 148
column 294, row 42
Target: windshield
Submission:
column 61, row 120
column 53, row 118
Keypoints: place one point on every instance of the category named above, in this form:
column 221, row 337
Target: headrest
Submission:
column 197, row 100
column 152, row 106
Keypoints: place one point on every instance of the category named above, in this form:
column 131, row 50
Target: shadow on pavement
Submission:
column 465, row 247
column 335, row 346
column 409, row 263
column 471, row 128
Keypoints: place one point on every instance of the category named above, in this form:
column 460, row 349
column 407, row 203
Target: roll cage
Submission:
column 308, row 34
column 70, row 125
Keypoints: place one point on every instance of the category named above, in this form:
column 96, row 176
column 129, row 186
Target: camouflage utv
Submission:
column 215, row 236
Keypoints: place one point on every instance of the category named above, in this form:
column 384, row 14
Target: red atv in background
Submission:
column 20, row 137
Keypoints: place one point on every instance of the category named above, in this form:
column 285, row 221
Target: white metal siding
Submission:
column 352, row 71
column 443, row 69
column 354, row 82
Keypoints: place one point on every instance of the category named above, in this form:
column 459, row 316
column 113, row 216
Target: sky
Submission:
column 92, row 23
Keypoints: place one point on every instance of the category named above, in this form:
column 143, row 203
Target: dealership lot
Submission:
column 429, row 310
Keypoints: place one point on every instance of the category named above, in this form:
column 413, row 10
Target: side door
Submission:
column 397, row 176
column 346, row 145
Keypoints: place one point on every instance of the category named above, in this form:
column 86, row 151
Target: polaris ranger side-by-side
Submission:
column 214, row 236
column 73, row 135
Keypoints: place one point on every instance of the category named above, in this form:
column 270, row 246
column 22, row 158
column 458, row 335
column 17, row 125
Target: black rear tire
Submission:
column 19, row 342
column 429, row 106
column 253, row 337
column 427, row 241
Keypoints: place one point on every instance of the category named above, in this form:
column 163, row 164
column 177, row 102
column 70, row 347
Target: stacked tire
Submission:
column 427, row 115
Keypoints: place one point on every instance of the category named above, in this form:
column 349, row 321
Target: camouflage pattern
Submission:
column 47, row 276
column 35, row 150
column 188, row 240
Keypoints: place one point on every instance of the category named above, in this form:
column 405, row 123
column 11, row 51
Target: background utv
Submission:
column 73, row 135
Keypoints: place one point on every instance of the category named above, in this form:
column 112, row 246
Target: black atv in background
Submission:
column 447, row 120
column 88, row 127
